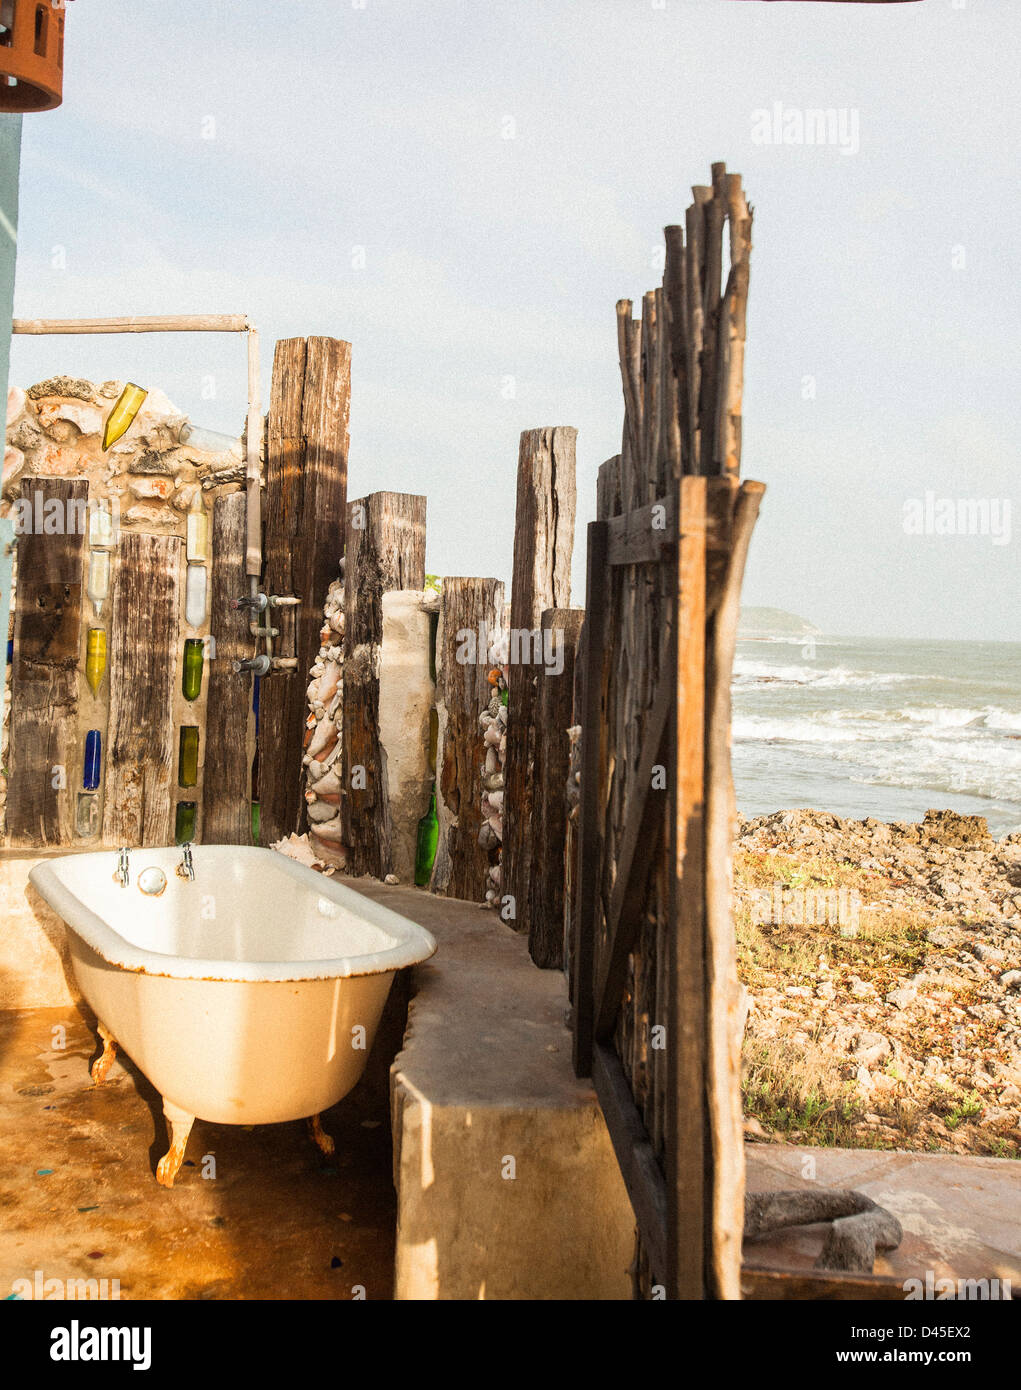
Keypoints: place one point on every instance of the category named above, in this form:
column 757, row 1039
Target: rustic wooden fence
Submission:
column 655, row 990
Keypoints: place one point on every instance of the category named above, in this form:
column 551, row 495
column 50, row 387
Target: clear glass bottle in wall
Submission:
column 98, row 588
column 195, row 596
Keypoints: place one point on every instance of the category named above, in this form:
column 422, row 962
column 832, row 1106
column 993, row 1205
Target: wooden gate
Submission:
column 657, row 1006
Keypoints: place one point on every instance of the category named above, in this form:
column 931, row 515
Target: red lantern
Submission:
column 31, row 54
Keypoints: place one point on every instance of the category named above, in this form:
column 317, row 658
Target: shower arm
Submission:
column 207, row 323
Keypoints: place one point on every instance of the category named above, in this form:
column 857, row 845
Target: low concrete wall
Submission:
column 35, row 969
column 507, row 1185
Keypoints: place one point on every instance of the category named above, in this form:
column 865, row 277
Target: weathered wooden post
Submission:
column 306, row 492
column 554, row 707
column 226, row 800
column 543, row 546
column 145, row 627
column 44, row 678
column 470, row 611
column 385, row 551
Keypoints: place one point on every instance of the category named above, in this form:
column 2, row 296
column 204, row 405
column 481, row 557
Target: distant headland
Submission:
column 773, row 622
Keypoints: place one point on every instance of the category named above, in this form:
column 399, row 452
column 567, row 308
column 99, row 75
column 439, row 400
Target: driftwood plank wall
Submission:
column 144, row 642
column 305, row 496
column 45, row 746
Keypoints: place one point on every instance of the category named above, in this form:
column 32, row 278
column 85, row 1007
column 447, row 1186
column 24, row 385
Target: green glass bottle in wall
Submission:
column 184, row 823
column 188, row 756
column 428, row 837
column 191, row 681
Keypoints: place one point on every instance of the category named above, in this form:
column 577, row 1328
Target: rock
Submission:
column 14, row 462
column 753, row 1129
column 61, row 386
column 798, row 992
column 872, row 1048
column 320, row 811
column 15, row 403
column 144, row 513
column 234, row 474
column 65, row 420
column 901, row 998
column 153, row 487
column 948, row 828
column 110, row 390
column 1011, row 979
column 184, row 496
column 27, row 436
column 154, row 461
column 392, row 879
column 987, row 953
column 57, row 461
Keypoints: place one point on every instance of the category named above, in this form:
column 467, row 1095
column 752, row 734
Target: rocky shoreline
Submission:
column 883, row 963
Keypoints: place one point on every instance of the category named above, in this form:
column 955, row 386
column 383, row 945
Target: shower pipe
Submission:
column 209, row 323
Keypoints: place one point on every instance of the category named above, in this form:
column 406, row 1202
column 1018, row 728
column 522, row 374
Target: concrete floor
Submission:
column 961, row 1215
column 278, row 1221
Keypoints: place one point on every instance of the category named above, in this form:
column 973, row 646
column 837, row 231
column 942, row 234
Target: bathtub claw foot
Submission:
column 103, row 1063
column 323, row 1141
column 179, row 1123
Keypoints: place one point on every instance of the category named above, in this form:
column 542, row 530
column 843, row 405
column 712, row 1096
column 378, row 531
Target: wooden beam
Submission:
column 306, row 492
column 385, row 551
column 811, row 1285
column 44, row 678
column 226, row 782
column 543, row 545
column 153, row 323
column 686, row 1140
column 554, row 709
column 642, row 1175
column 145, row 647
column 634, row 862
column 462, row 693
column 589, row 837
column 725, row 1015
column 649, row 533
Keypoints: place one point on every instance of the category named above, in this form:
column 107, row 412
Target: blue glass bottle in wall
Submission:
column 93, row 760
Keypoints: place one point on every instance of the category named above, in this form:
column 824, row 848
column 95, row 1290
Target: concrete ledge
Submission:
column 507, row 1185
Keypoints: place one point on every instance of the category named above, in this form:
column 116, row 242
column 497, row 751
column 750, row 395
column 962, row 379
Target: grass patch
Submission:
column 798, row 1090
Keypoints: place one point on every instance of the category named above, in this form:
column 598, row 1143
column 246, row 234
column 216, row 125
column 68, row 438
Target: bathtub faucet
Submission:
column 122, row 866
column 186, row 869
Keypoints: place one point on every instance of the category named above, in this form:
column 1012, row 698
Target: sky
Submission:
column 463, row 190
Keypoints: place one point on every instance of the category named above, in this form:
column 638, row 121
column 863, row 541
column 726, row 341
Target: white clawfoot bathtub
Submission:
column 249, row 994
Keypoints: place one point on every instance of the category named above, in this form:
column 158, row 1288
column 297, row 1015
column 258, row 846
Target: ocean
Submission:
column 878, row 727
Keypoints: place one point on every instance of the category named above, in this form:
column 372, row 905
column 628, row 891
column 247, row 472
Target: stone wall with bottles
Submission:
column 146, row 481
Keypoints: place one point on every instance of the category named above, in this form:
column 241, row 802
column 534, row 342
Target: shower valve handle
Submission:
column 256, row 602
column 259, row 665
